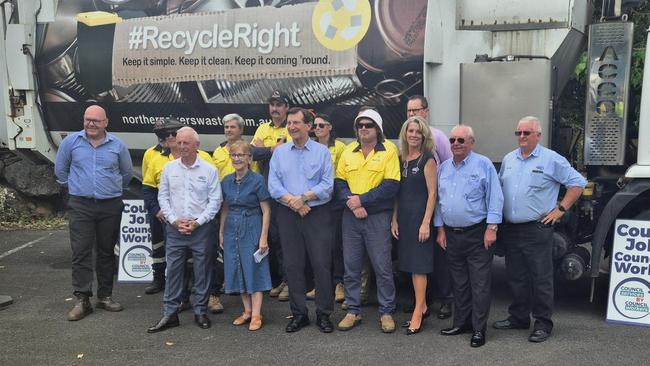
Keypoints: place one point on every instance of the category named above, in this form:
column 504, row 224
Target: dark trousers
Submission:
column 338, row 268
column 470, row 265
column 307, row 238
column 94, row 224
column 158, row 247
column 529, row 266
column 201, row 244
column 217, row 269
column 441, row 275
column 275, row 247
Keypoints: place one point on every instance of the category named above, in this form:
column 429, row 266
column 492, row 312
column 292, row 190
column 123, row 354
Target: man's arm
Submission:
column 164, row 196
column 62, row 162
column 494, row 195
column 126, row 166
column 214, row 199
column 323, row 190
column 276, row 188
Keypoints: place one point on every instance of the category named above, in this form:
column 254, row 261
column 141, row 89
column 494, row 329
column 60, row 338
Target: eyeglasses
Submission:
column 94, row 121
column 414, row 110
column 239, row 156
column 321, row 125
column 524, row 133
column 365, row 125
column 453, row 140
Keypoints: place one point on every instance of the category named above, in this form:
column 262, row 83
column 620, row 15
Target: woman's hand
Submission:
column 394, row 229
column 424, row 233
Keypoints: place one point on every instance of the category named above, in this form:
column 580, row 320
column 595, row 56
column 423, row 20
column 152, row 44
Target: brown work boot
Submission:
column 276, row 290
column 387, row 323
column 311, row 295
column 349, row 321
column 339, row 293
column 214, row 304
column 108, row 304
column 284, row 294
column 80, row 309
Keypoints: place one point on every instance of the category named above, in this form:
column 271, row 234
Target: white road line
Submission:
column 14, row 250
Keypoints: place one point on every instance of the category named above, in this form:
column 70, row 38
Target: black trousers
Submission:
column 94, row 224
column 529, row 267
column 307, row 238
column 442, row 277
column 275, row 247
column 337, row 248
column 470, row 266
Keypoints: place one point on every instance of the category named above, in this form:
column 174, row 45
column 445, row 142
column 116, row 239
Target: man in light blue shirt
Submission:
column 189, row 197
column 96, row 167
column 469, row 208
column 531, row 177
column 301, row 179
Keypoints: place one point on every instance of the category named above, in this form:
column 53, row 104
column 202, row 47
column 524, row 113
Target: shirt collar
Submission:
column 464, row 161
column 197, row 163
column 308, row 144
column 106, row 139
column 378, row 147
column 159, row 148
column 536, row 151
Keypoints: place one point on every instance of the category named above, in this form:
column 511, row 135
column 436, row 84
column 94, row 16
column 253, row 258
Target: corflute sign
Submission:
column 135, row 244
column 630, row 276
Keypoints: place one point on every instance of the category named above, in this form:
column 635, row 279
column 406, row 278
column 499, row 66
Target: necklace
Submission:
column 414, row 170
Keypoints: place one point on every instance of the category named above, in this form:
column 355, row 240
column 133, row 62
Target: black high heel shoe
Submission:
column 410, row 331
column 426, row 313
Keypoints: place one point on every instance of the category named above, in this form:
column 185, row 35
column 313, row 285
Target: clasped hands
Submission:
column 354, row 204
column 186, row 226
column 298, row 205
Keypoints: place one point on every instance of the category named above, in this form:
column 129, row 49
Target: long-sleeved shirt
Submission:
column 99, row 172
column 443, row 147
column 531, row 186
column 468, row 192
column 190, row 192
column 375, row 178
column 295, row 170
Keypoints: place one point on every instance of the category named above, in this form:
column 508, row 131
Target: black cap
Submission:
column 278, row 95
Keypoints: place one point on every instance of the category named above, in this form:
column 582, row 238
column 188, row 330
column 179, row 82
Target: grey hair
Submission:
column 537, row 124
column 470, row 131
column 234, row 117
column 195, row 135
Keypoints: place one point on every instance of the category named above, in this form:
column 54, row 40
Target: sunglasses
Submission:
column 165, row 134
column 460, row 140
column 238, row 156
column 524, row 133
column 321, row 125
column 365, row 125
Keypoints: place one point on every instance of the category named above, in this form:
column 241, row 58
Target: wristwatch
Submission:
column 561, row 208
column 493, row 227
column 304, row 198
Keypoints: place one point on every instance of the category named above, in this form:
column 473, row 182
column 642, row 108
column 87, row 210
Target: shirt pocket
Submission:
column 536, row 179
column 474, row 192
column 311, row 170
column 198, row 187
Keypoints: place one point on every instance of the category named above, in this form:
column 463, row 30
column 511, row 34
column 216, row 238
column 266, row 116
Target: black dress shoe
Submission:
column 297, row 323
column 509, row 324
column 445, row 311
column 478, row 339
column 165, row 323
column 202, row 321
column 539, row 335
column 324, row 323
column 455, row 331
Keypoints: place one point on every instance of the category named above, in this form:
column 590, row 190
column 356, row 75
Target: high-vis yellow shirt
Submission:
column 150, row 154
column 336, row 150
column 269, row 134
column 156, row 165
column 365, row 173
column 221, row 159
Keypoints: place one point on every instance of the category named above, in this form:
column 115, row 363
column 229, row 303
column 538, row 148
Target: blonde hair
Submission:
column 242, row 146
column 427, row 141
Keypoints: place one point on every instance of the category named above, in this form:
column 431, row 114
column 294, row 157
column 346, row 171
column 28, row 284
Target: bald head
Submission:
column 95, row 123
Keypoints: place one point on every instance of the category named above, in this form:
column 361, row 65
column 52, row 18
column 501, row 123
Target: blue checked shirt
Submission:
column 100, row 172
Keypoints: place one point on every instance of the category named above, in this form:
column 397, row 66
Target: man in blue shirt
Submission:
column 531, row 177
column 96, row 167
column 470, row 203
column 301, row 179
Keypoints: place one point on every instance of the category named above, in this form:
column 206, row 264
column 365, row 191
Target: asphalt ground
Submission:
column 34, row 329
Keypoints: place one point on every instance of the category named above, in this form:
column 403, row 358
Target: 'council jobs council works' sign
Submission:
column 630, row 276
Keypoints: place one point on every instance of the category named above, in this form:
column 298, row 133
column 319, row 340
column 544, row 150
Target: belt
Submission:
column 466, row 228
column 96, row 200
column 522, row 223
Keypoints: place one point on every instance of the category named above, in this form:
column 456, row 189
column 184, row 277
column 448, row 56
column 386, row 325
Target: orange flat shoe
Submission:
column 256, row 323
column 242, row 319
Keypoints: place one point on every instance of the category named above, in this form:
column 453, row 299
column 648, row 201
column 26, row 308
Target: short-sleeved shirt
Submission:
column 156, row 165
column 531, row 186
column 248, row 194
column 221, row 160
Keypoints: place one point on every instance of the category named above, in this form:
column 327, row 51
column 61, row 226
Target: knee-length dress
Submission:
column 242, row 229
column 413, row 256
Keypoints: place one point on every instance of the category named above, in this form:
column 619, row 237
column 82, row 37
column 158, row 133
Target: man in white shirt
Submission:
column 189, row 197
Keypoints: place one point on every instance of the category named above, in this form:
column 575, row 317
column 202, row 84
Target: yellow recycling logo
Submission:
column 340, row 24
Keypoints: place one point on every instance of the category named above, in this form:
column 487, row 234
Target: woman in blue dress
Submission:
column 245, row 218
